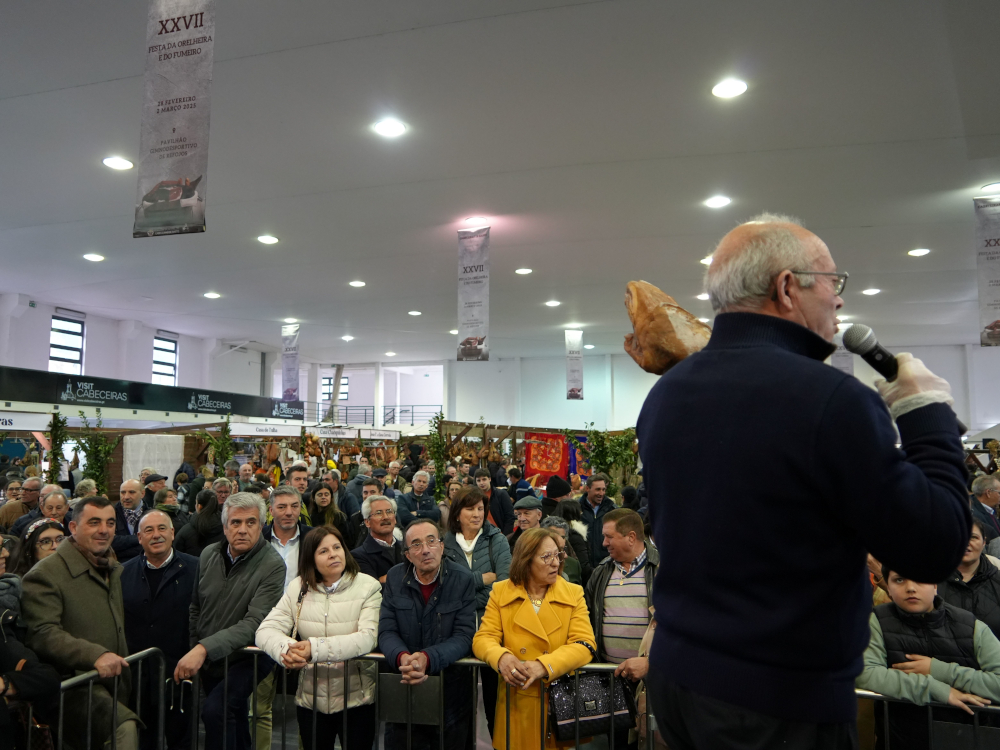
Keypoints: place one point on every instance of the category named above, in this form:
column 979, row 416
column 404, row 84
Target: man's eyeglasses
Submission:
column 380, row 513
column 549, row 557
column 839, row 282
column 49, row 543
column 416, row 547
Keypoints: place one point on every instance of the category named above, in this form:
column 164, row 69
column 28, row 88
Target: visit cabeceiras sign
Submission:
column 173, row 141
column 473, row 294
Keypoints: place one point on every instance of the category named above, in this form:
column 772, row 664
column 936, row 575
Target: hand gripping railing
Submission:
column 88, row 679
column 413, row 695
column 976, row 727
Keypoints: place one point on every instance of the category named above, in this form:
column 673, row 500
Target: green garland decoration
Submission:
column 437, row 450
column 222, row 445
column 97, row 448
column 57, row 439
column 608, row 454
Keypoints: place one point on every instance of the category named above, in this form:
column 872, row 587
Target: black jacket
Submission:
column 990, row 521
column 375, row 559
column 819, row 482
column 598, row 585
column 159, row 619
column 595, row 527
column 125, row 544
column 188, row 539
column 502, row 510
column 980, row 595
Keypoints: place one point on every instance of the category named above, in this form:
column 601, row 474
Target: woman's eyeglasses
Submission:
column 49, row 543
column 549, row 557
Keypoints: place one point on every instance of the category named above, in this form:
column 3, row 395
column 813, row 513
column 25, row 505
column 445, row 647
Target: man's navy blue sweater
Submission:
column 756, row 448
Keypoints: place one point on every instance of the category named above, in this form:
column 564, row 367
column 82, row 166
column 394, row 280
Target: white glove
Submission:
column 915, row 386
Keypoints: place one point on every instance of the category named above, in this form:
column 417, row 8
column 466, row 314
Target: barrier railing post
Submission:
column 930, row 727
column 611, row 712
column 347, row 695
column 90, row 710
column 225, row 699
column 315, row 693
column 114, row 714
column 576, row 705
column 409, row 716
column 162, row 710
column 253, row 706
column 284, row 704
column 885, row 724
column 507, row 701
column 441, row 708
column 541, row 714
column 62, row 706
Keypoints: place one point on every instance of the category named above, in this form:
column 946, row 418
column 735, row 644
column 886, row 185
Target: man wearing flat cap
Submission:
column 380, row 475
column 154, row 483
column 528, row 515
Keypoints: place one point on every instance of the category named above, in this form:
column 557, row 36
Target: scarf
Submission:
column 103, row 564
column 170, row 510
column 468, row 545
column 132, row 516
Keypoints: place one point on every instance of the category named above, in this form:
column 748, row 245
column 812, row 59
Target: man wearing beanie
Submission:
column 557, row 489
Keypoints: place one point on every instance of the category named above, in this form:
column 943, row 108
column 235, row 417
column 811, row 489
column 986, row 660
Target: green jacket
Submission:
column 73, row 616
column 921, row 689
column 226, row 610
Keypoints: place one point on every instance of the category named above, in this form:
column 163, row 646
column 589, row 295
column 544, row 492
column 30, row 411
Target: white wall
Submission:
column 417, row 385
column 236, row 371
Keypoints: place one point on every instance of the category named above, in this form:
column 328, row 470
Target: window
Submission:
column 164, row 361
column 66, row 346
column 327, row 389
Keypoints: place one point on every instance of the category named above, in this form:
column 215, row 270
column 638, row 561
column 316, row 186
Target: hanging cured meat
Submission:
column 664, row 333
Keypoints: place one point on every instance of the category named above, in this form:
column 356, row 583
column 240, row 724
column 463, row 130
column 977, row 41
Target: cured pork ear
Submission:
column 664, row 333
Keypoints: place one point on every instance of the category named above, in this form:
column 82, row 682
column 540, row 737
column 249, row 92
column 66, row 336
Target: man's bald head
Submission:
column 757, row 268
column 130, row 493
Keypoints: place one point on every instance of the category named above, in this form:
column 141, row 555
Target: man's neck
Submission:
column 986, row 502
column 635, row 556
column 428, row 578
column 283, row 535
column 595, row 504
column 387, row 538
column 157, row 560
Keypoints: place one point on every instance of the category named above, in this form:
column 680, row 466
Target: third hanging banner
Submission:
column 473, row 294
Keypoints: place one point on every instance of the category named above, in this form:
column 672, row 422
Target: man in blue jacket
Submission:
column 418, row 502
column 813, row 480
column 594, row 506
column 426, row 624
column 156, row 590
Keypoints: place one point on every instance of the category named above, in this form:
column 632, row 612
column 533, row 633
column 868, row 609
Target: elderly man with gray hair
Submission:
column 985, row 498
column 240, row 580
column 418, row 502
column 380, row 549
column 735, row 660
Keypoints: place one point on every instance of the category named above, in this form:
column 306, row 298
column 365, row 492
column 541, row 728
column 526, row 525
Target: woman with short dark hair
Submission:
column 204, row 528
column 975, row 584
column 536, row 628
column 331, row 612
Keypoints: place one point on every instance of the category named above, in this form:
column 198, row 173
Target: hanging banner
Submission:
column 290, row 362
column 574, row 365
column 473, row 294
column 578, row 460
column 546, row 454
column 988, row 268
column 173, row 140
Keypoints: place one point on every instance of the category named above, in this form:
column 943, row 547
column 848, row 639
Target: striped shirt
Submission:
column 626, row 614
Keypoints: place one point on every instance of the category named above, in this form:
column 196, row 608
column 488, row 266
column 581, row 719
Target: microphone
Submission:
column 860, row 339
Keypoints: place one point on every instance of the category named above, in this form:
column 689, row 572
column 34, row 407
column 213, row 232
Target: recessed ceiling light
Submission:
column 993, row 187
column 477, row 220
column 291, row 320
column 390, row 127
column 267, row 239
column 718, row 201
column 871, row 292
column 728, row 88
column 117, row 162
column 94, row 257
column 523, row 271
column 357, row 283
column 702, row 297
column 703, row 320
column 919, row 252
column 390, row 354
column 588, row 346
column 415, row 312
column 347, row 338
column 842, row 318
column 553, row 303
column 707, row 260
column 212, row 295
column 573, row 326
column 453, row 331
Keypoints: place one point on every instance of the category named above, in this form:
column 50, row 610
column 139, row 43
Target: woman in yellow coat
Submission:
column 536, row 628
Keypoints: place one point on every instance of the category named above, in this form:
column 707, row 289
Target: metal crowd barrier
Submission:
column 943, row 735
column 88, row 679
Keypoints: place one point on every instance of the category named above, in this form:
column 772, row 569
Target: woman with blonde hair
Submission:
column 536, row 628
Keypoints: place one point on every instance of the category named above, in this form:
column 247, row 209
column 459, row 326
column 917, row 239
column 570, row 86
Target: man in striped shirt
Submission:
column 619, row 594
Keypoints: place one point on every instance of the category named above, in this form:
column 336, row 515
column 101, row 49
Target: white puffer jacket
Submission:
column 342, row 625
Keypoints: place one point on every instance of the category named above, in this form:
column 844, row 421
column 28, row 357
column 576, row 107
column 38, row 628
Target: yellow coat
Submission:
column 510, row 625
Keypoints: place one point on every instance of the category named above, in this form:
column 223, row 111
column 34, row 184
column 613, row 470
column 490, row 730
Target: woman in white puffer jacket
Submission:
column 331, row 611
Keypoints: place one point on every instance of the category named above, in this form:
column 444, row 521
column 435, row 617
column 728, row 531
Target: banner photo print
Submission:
column 546, row 454
column 473, row 294
column 988, row 268
column 574, row 365
column 290, row 362
column 173, row 141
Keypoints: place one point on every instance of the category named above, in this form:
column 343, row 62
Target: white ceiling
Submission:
column 585, row 130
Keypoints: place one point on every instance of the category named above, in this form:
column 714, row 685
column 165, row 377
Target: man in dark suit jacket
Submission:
column 128, row 510
column 156, row 590
column 985, row 498
column 380, row 550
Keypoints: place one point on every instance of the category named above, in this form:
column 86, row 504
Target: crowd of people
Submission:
column 315, row 571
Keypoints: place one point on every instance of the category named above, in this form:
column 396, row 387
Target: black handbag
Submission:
column 600, row 695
